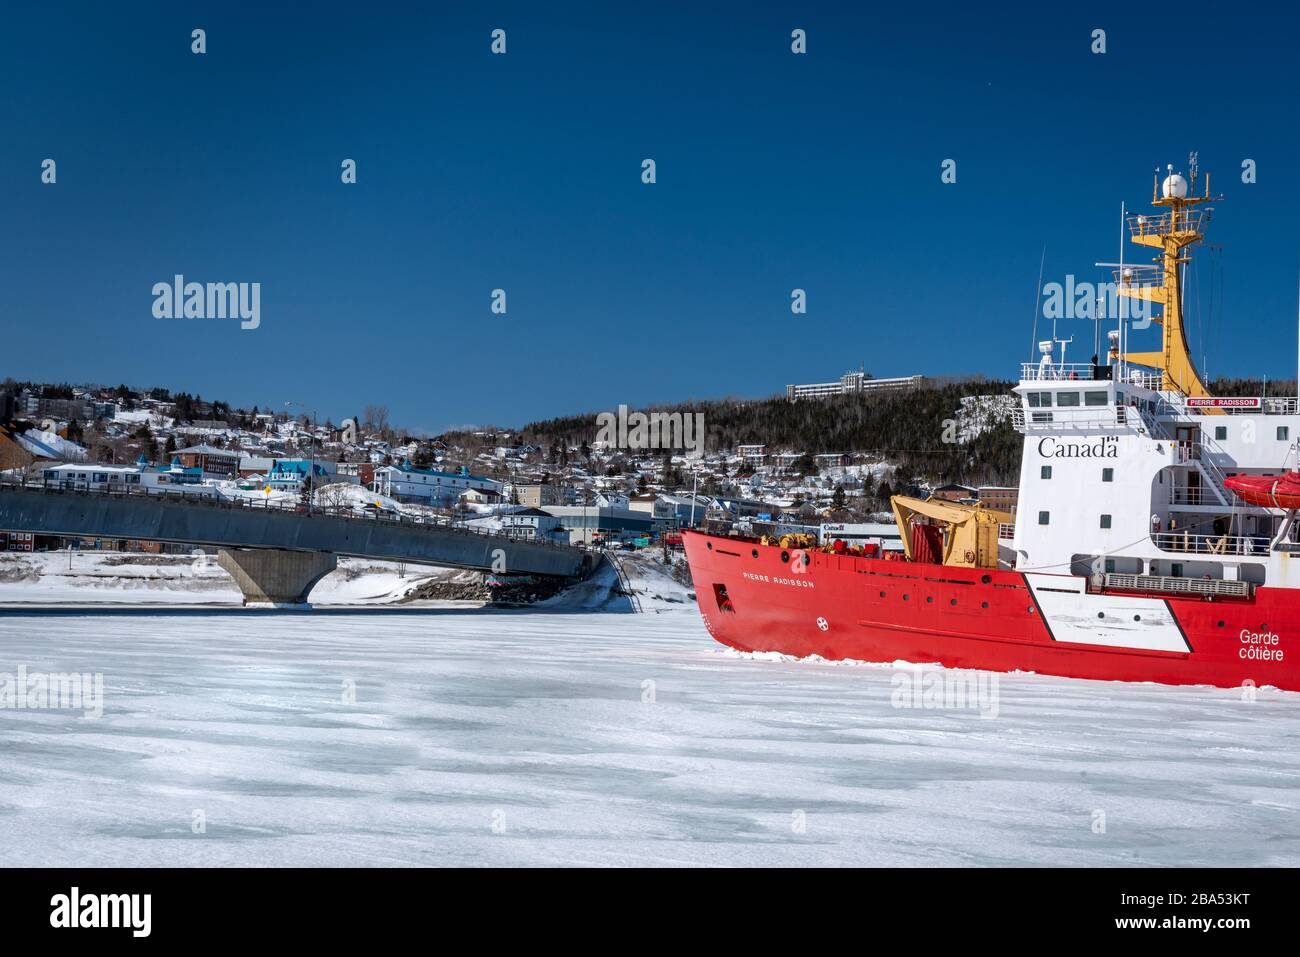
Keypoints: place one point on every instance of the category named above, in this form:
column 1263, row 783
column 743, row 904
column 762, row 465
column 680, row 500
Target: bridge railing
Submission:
column 212, row 500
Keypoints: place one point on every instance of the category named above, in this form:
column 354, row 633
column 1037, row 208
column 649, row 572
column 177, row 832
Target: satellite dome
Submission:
column 1174, row 187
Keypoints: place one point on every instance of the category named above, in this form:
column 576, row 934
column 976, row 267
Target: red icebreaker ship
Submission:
column 1152, row 539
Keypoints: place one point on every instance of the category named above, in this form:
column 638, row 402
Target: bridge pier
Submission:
column 272, row 576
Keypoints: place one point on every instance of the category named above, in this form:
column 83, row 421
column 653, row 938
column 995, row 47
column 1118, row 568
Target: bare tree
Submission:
column 376, row 418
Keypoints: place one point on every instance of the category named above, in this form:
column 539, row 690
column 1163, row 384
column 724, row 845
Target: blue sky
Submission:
column 522, row 172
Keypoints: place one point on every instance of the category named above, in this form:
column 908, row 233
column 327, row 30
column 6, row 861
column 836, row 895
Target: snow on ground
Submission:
column 981, row 413
column 527, row 738
column 91, row 577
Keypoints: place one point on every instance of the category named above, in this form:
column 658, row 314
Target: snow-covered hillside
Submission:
column 979, row 413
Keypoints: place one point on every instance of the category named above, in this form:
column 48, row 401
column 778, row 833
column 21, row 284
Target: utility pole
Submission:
column 311, row 467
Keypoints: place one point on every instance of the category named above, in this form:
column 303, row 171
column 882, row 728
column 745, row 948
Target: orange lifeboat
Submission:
column 1270, row 491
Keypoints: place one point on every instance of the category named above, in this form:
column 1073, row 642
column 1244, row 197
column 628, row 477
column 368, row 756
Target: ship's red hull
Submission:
column 765, row 598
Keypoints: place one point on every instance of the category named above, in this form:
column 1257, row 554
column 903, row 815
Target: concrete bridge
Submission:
column 276, row 555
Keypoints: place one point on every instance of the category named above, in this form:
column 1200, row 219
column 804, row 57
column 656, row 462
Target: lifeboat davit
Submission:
column 1270, row 491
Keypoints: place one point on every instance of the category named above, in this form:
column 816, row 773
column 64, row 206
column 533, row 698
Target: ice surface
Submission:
column 528, row 738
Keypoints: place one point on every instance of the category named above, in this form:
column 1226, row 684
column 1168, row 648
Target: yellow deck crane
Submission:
column 970, row 532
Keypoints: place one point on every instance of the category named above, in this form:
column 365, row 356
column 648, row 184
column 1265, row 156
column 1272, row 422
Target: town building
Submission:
column 539, row 495
column 531, row 524
column 141, row 477
column 210, row 460
column 289, row 474
column 852, row 383
column 952, row 492
column 407, row 483
column 999, row 497
column 588, row 523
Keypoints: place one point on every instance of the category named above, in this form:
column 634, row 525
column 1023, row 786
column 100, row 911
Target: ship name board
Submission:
column 796, row 582
column 1106, row 448
column 1224, row 402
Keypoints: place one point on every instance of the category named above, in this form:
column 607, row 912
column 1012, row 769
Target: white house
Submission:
column 531, row 523
column 173, row 480
column 407, row 483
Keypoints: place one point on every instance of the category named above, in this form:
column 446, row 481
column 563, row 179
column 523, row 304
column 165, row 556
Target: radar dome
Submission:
column 1174, row 187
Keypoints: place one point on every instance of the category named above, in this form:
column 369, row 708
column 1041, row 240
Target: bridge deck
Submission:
column 224, row 524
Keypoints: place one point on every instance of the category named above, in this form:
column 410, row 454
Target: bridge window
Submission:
column 1108, row 475
column 1105, row 521
column 1046, row 472
column 1110, row 565
column 1044, row 518
column 1039, row 399
column 1096, row 398
column 1065, row 399
column 1220, row 433
column 1283, row 433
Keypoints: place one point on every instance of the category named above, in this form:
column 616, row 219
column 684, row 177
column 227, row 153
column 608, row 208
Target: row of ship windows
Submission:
column 1107, row 475
column 1283, row 433
column 1066, row 400
column 929, row 600
column 1045, row 518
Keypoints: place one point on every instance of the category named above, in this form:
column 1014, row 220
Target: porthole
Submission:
column 807, row 559
column 952, row 601
column 985, row 579
column 709, row 546
column 906, row 597
column 785, row 557
column 754, row 552
column 1137, row 617
column 1030, row 609
column 1220, row 624
column 882, row 594
column 1101, row 614
column 984, row 604
column 929, row 599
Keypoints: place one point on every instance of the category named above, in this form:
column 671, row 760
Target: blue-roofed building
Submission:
column 407, row 483
column 289, row 474
column 175, row 479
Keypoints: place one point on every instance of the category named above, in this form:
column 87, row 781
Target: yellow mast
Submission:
column 1171, row 233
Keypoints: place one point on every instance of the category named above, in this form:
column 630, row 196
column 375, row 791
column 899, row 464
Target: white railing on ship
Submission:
column 1069, row 417
column 1191, row 544
column 1058, row 372
column 1144, row 380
